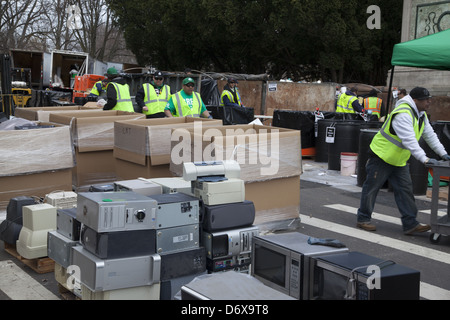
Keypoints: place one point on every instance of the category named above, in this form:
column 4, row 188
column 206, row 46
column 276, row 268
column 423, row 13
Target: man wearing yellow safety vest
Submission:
column 230, row 95
column 187, row 103
column 151, row 98
column 348, row 102
column 374, row 105
column 117, row 93
column 99, row 89
column 389, row 152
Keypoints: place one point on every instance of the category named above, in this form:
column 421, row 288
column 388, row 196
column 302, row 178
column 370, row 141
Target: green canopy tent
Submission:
column 431, row 52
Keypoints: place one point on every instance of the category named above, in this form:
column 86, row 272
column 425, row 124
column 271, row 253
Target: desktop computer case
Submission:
column 176, row 210
column 121, row 244
column 227, row 216
column 112, row 274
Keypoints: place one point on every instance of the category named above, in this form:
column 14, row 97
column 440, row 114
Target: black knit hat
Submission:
column 420, row 93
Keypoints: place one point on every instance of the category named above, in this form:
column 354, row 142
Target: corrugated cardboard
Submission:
column 40, row 113
column 43, row 113
column 35, row 150
column 95, row 167
column 274, row 200
column 263, row 152
column 135, row 140
column 93, row 130
column 127, row 170
column 93, row 141
column 34, row 184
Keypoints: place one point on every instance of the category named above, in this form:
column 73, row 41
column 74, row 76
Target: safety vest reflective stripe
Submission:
column 348, row 107
column 390, row 138
column 230, row 97
column 180, row 105
column 166, row 98
column 124, row 102
column 119, row 94
column 388, row 146
column 369, row 105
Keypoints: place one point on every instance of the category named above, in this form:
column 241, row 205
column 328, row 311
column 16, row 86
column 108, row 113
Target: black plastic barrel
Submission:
column 346, row 140
column 321, row 144
column 365, row 139
column 297, row 120
column 442, row 129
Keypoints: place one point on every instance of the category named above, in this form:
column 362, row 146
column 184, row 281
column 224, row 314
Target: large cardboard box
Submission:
column 35, row 162
column 93, row 130
column 263, row 152
column 43, row 113
column 37, row 184
column 35, row 150
column 142, row 148
column 93, row 140
column 275, row 200
column 269, row 158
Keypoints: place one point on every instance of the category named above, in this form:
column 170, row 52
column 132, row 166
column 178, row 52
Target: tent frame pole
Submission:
column 390, row 91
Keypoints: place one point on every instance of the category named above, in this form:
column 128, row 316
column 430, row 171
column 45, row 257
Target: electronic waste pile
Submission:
column 141, row 238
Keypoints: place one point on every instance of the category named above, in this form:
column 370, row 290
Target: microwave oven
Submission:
column 347, row 276
column 283, row 262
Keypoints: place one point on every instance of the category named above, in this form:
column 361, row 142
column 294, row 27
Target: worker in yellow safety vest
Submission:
column 117, row 93
column 152, row 98
column 389, row 153
column 186, row 103
column 99, row 89
column 230, row 95
column 348, row 102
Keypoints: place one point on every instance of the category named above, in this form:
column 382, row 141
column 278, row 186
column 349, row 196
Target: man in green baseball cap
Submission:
column 186, row 102
column 118, row 95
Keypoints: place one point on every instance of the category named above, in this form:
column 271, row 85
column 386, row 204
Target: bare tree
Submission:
column 19, row 23
column 59, row 35
column 99, row 34
column 46, row 24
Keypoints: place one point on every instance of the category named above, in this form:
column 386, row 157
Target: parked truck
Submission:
column 56, row 68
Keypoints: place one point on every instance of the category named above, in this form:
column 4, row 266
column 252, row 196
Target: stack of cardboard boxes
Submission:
column 87, row 147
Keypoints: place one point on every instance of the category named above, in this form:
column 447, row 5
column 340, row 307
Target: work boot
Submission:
column 366, row 226
column 418, row 228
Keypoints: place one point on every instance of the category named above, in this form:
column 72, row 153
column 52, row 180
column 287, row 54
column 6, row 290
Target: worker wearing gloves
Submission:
column 187, row 103
column 230, row 95
column 390, row 150
column 117, row 93
column 152, row 97
column 348, row 102
column 99, row 89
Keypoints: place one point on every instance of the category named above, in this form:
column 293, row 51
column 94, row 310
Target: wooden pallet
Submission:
column 40, row 265
column 66, row 294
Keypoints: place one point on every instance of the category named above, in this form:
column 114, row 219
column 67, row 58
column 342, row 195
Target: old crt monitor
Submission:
column 345, row 277
column 282, row 261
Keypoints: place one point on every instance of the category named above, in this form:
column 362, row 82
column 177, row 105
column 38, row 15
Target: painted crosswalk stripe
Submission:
column 388, row 242
column 378, row 239
column 441, row 213
column 18, row 285
column 431, row 292
column 375, row 215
